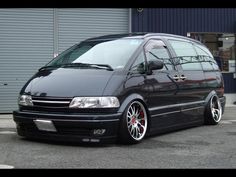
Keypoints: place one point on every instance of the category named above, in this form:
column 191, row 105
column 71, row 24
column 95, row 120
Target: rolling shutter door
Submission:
column 26, row 43
column 30, row 37
column 75, row 25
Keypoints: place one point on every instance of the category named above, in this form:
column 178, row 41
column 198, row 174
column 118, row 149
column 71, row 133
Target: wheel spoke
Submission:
column 129, row 114
column 132, row 110
column 217, row 117
column 137, row 132
column 137, row 112
column 132, row 131
column 129, row 124
column 217, row 111
column 129, row 119
column 215, row 108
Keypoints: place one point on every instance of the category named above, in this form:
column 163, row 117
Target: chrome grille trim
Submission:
column 44, row 101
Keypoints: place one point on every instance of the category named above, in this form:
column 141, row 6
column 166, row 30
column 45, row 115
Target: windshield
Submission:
column 114, row 54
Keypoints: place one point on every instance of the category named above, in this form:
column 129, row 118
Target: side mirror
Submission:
column 155, row 65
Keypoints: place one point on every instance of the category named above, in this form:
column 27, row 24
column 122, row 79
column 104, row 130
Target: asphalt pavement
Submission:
column 197, row 147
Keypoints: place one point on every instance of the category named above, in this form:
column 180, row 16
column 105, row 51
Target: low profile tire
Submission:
column 213, row 111
column 134, row 123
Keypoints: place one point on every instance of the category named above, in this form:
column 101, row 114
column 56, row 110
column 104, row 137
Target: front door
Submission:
column 163, row 84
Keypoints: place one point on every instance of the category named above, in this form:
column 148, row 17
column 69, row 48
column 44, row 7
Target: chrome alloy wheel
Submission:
column 216, row 109
column 136, row 120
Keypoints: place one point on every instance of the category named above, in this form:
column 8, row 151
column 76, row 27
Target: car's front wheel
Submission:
column 134, row 123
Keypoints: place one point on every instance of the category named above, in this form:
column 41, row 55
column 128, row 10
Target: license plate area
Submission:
column 45, row 125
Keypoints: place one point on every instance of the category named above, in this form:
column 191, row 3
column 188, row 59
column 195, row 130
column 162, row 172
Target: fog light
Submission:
column 99, row 131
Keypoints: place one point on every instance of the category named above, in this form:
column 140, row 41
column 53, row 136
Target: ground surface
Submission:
column 198, row 147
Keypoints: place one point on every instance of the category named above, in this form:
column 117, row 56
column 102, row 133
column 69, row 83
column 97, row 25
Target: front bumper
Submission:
column 70, row 127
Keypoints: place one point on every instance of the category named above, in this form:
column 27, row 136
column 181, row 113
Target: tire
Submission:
column 213, row 112
column 134, row 123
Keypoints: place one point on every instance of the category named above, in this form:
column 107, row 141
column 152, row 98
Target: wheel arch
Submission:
column 130, row 98
column 207, row 99
column 134, row 97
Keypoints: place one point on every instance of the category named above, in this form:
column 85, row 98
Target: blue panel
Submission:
column 183, row 20
column 230, row 83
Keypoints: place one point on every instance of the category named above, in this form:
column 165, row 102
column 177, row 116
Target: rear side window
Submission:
column 186, row 55
column 206, row 58
column 202, row 50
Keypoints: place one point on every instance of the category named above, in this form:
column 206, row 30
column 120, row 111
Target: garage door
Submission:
column 30, row 37
column 26, row 42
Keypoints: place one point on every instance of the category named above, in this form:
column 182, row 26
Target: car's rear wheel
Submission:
column 213, row 112
column 134, row 123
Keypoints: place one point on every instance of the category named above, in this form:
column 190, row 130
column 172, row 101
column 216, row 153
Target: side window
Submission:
column 139, row 64
column 202, row 49
column 156, row 50
column 186, row 55
column 215, row 65
column 204, row 58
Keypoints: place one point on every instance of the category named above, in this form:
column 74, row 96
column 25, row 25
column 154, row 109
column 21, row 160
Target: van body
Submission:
column 122, row 87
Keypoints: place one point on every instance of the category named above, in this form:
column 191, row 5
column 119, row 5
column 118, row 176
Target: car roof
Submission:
column 141, row 35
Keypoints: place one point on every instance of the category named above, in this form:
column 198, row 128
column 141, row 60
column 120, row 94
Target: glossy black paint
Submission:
column 171, row 104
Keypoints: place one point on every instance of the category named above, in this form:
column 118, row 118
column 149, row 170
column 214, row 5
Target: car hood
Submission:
column 68, row 82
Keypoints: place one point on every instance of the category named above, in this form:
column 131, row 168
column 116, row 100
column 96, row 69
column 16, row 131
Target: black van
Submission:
column 122, row 87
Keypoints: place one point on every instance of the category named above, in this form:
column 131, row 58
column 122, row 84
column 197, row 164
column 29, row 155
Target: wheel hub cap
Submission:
column 137, row 120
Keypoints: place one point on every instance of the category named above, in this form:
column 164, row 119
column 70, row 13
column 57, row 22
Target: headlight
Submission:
column 25, row 100
column 94, row 102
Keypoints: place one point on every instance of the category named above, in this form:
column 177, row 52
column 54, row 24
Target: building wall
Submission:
column 180, row 21
column 30, row 37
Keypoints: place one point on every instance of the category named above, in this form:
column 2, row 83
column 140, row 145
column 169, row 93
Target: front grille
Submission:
column 51, row 102
column 48, row 104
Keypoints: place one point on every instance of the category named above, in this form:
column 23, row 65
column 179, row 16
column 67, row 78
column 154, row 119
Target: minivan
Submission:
column 122, row 88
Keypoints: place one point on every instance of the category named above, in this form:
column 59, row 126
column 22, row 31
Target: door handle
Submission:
column 176, row 77
column 183, row 77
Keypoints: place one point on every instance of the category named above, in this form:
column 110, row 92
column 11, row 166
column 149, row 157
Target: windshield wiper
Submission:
column 98, row 66
column 62, row 65
column 102, row 66
column 45, row 67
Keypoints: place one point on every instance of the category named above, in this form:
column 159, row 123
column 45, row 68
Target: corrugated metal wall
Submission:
column 30, row 37
column 182, row 20
column 76, row 25
column 26, row 43
column 230, row 83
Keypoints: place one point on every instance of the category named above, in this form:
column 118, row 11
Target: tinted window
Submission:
column 205, row 57
column 202, row 50
column 115, row 53
column 156, row 50
column 139, row 64
column 206, row 63
column 186, row 55
column 215, row 66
